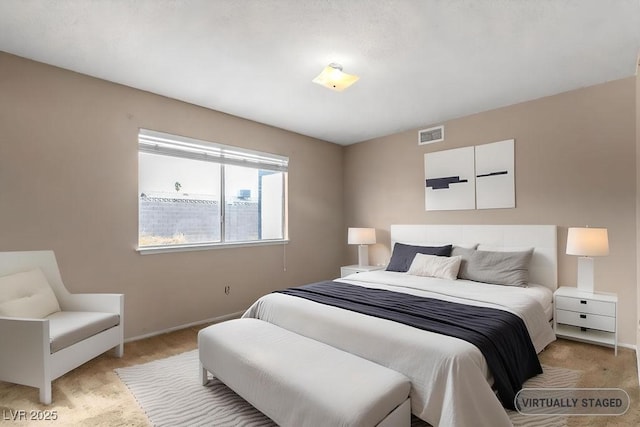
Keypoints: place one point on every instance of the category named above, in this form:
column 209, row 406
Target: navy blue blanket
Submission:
column 502, row 337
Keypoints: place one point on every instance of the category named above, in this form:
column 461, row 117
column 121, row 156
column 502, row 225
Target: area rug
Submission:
column 169, row 392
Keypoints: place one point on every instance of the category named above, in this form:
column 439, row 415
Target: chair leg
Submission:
column 118, row 350
column 45, row 393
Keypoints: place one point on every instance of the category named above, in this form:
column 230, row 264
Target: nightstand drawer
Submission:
column 345, row 271
column 586, row 320
column 586, row 316
column 604, row 308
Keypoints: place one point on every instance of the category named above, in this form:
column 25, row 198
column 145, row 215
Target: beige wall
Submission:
column 575, row 165
column 68, row 182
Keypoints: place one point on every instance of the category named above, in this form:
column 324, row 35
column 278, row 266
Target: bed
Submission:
column 450, row 377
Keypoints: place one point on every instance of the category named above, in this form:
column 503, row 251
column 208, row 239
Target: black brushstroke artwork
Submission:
column 492, row 174
column 443, row 183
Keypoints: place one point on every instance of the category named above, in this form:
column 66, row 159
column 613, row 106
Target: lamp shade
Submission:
column 362, row 236
column 587, row 242
column 332, row 77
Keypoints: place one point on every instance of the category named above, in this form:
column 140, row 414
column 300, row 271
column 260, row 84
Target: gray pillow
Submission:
column 465, row 254
column 499, row 268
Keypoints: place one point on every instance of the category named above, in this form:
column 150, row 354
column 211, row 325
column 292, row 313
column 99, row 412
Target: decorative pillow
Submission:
column 500, row 268
column 435, row 266
column 465, row 254
column 27, row 294
column 403, row 255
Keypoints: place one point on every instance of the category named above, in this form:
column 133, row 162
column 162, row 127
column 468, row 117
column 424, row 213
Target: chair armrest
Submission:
column 107, row 303
column 25, row 345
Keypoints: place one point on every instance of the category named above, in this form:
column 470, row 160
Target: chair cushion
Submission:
column 69, row 327
column 27, row 294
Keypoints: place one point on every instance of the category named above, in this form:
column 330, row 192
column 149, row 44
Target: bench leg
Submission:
column 204, row 375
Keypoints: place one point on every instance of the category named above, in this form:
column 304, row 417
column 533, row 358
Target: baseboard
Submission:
column 629, row 346
column 188, row 325
column 638, row 353
column 638, row 364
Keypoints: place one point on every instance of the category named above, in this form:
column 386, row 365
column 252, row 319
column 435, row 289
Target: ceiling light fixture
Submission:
column 334, row 78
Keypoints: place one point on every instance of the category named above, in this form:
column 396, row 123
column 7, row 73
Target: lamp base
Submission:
column 363, row 255
column 585, row 274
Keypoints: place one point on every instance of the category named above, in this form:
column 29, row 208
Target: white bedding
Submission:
column 451, row 383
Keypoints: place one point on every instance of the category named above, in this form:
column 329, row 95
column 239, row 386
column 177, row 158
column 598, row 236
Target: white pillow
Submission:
column 27, row 294
column 435, row 266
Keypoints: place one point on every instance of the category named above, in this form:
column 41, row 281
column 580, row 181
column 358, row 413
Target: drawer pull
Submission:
column 583, row 301
column 583, row 316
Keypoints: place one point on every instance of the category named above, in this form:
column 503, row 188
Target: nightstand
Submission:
column 353, row 269
column 586, row 316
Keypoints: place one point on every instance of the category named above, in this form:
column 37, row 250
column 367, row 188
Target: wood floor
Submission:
column 92, row 395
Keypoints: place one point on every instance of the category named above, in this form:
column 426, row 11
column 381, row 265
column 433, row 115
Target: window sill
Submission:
column 148, row 250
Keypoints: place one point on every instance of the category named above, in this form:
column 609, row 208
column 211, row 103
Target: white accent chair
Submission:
column 36, row 351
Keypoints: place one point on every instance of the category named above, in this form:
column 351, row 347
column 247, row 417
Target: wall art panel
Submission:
column 449, row 176
column 495, row 175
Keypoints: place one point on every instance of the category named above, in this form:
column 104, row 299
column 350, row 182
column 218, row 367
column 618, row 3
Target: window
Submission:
column 195, row 193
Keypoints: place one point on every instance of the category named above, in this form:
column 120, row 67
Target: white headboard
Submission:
column 542, row 238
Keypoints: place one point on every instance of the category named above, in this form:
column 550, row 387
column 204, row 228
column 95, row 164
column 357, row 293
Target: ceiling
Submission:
column 420, row 62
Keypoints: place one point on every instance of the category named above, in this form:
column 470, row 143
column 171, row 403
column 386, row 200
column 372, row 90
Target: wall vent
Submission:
column 431, row 135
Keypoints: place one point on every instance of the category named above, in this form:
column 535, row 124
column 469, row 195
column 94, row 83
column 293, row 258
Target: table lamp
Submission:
column 587, row 243
column 362, row 237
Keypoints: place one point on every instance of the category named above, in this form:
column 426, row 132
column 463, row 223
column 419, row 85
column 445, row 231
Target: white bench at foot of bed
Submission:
column 297, row 381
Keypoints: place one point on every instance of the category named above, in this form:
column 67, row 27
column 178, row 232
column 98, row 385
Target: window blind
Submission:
column 155, row 142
